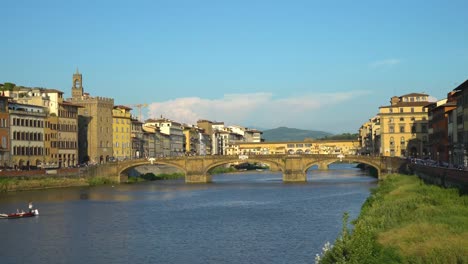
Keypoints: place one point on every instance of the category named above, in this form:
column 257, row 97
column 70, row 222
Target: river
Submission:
column 239, row 218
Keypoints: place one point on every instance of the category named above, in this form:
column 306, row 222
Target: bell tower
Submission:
column 77, row 88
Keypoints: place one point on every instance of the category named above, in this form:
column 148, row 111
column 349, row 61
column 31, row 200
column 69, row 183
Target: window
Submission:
column 412, row 109
column 402, row 129
column 392, row 142
column 402, row 142
column 391, row 129
column 401, row 109
column 413, row 129
column 402, row 119
column 424, row 128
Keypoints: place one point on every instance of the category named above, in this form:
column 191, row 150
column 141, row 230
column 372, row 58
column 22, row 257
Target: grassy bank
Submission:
column 221, row 169
column 13, row 184
column 405, row 221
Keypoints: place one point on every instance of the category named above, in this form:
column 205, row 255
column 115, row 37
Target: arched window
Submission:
column 392, row 142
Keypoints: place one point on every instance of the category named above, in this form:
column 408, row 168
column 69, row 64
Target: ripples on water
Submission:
column 239, row 218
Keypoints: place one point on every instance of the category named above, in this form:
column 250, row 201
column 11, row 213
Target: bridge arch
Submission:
column 126, row 166
column 326, row 162
column 276, row 165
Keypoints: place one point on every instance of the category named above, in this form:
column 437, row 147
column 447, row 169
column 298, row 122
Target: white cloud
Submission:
column 385, row 63
column 260, row 109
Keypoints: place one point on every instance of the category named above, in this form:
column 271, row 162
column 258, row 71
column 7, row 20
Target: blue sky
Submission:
column 321, row 65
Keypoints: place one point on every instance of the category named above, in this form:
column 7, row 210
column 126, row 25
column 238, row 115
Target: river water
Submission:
column 239, row 218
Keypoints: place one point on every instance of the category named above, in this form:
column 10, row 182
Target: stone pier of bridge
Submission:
column 294, row 170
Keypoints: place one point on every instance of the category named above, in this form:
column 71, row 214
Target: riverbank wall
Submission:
column 444, row 177
column 12, row 180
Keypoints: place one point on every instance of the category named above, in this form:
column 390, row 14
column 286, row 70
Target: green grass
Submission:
column 152, row 177
column 99, row 181
column 406, row 221
column 221, row 169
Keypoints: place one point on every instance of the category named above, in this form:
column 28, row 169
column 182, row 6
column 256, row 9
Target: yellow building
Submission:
column 51, row 142
column 347, row 147
column 403, row 126
column 122, row 127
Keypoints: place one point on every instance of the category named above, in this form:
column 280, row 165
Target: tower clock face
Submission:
column 77, row 83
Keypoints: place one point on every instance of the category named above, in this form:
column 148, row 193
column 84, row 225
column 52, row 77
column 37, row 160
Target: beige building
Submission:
column 174, row 130
column 51, row 143
column 137, row 138
column 122, row 126
column 404, row 126
column 369, row 136
column 68, row 134
column 27, row 135
column 326, row 147
column 61, row 127
column 95, row 124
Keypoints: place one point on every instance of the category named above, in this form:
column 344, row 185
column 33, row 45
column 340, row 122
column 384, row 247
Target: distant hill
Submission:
column 292, row 134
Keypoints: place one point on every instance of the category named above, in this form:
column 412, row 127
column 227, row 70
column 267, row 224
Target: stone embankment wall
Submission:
column 30, row 174
column 445, row 177
column 104, row 171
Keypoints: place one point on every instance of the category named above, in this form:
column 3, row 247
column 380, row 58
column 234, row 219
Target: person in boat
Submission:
column 30, row 207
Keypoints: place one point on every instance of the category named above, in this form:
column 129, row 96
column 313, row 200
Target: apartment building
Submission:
column 438, row 133
column 404, row 126
column 137, row 138
column 174, row 130
column 122, row 126
column 369, row 136
column 27, row 124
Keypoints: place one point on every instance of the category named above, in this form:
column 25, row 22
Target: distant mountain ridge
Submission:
column 292, row 134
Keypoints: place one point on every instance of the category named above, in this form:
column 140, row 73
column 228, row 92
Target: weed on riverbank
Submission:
column 406, row 221
column 152, row 177
column 99, row 181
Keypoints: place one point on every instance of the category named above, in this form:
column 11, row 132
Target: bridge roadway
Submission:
column 294, row 167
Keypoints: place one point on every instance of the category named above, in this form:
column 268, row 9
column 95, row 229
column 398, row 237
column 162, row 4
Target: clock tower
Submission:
column 77, row 88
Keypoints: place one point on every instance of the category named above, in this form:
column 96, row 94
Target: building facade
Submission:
column 67, row 134
column 122, row 126
column 323, row 147
column 404, row 126
column 27, row 124
column 95, row 124
column 174, row 130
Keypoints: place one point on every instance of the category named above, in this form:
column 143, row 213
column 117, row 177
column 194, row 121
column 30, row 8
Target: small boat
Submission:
column 19, row 215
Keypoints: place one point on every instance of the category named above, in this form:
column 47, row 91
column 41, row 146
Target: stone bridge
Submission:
column 293, row 167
